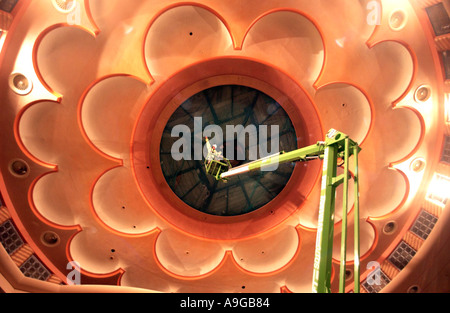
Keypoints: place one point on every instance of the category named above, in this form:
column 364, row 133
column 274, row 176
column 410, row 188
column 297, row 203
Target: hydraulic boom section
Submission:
column 335, row 152
column 338, row 148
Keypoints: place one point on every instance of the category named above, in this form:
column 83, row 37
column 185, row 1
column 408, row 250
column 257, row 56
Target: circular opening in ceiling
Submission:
column 244, row 124
column 20, row 84
column 398, row 20
column 19, row 168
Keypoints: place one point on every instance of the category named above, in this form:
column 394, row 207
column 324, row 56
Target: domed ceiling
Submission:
column 91, row 91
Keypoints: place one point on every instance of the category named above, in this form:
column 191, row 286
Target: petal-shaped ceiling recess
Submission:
column 121, row 35
column 96, row 245
column 402, row 129
column 267, row 254
column 187, row 256
column 391, row 66
column 367, row 240
column 119, row 205
column 54, row 205
column 150, row 277
column 122, row 11
column 184, row 35
column 346, row 108
column 387, row 191
column 294, row 42
column 107, row 115
column 66, row 65
column 93, row 258
column 40, row 138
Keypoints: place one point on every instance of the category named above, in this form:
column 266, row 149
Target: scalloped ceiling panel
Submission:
column 90, row 91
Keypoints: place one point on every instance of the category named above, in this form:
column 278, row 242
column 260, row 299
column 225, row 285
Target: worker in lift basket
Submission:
column 213, row 154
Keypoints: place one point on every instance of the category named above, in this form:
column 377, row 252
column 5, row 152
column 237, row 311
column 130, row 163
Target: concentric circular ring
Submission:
column 221, row 71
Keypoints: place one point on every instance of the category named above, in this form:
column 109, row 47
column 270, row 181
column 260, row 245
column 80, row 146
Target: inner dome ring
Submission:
column 170, row 95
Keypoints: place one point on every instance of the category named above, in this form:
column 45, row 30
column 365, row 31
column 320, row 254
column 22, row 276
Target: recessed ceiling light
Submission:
column 418, row 165
column 19, row 168
column 422, row 94
column 414, row 289
column 50, row 239
column 398, row 20
column 390, row 228
column 64, row 6
column 20, row 84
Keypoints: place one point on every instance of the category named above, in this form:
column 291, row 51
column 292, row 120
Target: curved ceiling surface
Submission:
column 90, row 92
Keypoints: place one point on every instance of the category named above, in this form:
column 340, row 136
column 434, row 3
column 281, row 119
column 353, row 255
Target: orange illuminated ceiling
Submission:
column 87, row 88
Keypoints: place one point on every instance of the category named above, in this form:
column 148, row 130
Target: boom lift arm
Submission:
column 337, row 146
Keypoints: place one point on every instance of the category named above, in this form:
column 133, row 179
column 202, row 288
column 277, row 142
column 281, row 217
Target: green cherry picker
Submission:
column 337, row 147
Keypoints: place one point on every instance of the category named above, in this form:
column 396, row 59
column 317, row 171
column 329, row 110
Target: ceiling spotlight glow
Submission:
column 398, row 20
column 64, row 6
column 439, row 190
column 20, row 84
column 422, row 94
column 418, row 165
